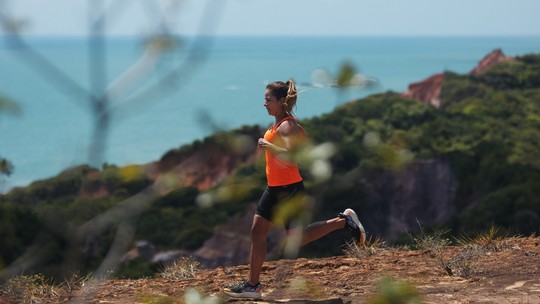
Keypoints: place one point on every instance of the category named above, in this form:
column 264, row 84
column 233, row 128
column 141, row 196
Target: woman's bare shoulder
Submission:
column 289, row 127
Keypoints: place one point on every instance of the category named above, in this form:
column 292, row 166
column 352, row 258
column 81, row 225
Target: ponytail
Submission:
column 285, row 90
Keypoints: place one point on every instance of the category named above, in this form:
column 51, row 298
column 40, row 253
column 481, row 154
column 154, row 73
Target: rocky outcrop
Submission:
column 427, row 91
column 493, row 58
column 207, row 164
column 421, row 193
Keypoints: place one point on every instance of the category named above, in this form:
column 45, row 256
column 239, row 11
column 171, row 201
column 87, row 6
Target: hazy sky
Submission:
column 281, row 17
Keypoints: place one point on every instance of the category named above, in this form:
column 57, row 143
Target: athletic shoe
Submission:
column 243, row 290
column 354, row 226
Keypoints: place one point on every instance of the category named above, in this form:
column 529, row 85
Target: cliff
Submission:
column 422, row 193
column 495, row 57
column 208, row 163
column 429, row 89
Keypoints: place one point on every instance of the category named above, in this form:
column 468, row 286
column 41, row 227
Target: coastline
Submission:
column 61, row 129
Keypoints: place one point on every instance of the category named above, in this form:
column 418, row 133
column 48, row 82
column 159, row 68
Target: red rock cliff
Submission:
column 493, row 58
column 429, row 90
column 210, row 162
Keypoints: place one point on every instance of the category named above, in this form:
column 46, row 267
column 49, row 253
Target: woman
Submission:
column 285, row 186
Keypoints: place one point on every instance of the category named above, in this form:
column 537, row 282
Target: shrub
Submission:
column 184, row 268
column 30, row 289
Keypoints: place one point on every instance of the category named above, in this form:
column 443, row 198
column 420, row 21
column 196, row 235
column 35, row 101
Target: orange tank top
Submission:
column 279, row 172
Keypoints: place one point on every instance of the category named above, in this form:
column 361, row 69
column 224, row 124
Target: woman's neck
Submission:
column 281, row 116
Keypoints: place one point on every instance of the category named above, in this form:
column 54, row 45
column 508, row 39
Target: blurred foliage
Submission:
column 487, row 129
column 345, row 74
column 6, row 167
column 395, row 292
column 10, row 107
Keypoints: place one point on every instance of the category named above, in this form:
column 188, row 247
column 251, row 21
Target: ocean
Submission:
column 218, row 87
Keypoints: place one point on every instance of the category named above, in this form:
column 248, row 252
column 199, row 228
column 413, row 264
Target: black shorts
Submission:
column 282, row 204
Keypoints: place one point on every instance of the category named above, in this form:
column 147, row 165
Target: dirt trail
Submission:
column 511, row 275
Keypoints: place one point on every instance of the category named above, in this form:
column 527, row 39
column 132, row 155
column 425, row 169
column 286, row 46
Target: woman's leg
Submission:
column 259, row 233
column 317, row 230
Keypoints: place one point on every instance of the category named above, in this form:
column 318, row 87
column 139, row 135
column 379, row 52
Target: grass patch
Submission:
column 435, row 243
column 75, row 282
column 184, row 268
column 373, row 246
column 474, row 246
column 490, row 241
column 30, row 289
column 463, row 264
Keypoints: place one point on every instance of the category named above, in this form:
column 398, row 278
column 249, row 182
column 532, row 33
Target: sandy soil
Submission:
column 510, row 275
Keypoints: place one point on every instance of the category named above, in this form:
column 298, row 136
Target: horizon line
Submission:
column 7, row 35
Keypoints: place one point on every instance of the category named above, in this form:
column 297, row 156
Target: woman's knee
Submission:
column 260, row 228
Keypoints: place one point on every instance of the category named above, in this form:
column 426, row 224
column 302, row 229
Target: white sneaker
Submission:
column 243, row 290
column 354, row 226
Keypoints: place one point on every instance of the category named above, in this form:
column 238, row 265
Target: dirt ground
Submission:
column 509, row 275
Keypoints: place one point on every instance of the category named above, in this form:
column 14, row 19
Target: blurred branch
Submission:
column 36, row 61
column 48, row 70
column 99, row 100
column 98, row 79
column 197, row 54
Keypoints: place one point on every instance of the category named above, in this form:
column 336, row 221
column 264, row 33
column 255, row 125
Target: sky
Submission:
column 281, row 17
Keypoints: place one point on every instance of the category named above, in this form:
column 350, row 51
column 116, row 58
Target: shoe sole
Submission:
column 353, row 215
column 247, row 295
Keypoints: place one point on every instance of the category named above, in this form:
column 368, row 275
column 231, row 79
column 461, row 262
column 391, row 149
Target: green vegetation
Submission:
column 395, row 292
column 487, row 129
column 29, row 289
column 373, row 245
column 6, row 167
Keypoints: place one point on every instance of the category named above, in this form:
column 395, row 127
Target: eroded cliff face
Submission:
column 493, row 58
column 422, row 193
column 207, row 165
column 429, row 90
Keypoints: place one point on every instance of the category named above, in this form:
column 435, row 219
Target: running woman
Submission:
column 285, row 187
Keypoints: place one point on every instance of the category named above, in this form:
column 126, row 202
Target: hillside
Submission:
column 456, row 151
column 509, row 272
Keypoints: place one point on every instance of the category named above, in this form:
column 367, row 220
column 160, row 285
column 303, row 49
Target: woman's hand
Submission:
column 263, row 143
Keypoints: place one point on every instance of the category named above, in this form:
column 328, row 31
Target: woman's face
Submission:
column 272, row 104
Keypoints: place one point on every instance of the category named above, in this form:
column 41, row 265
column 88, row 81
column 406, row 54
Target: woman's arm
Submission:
column 287, row 135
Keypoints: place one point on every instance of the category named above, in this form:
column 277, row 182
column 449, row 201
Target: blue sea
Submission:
column 219, row 85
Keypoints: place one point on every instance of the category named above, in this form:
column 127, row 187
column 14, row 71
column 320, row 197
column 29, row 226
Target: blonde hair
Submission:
column 280, row 89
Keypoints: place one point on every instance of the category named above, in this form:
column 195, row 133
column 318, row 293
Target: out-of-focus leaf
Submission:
column 6, row 167
column 345, row 75
column 131, row 173
column 9, row 106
